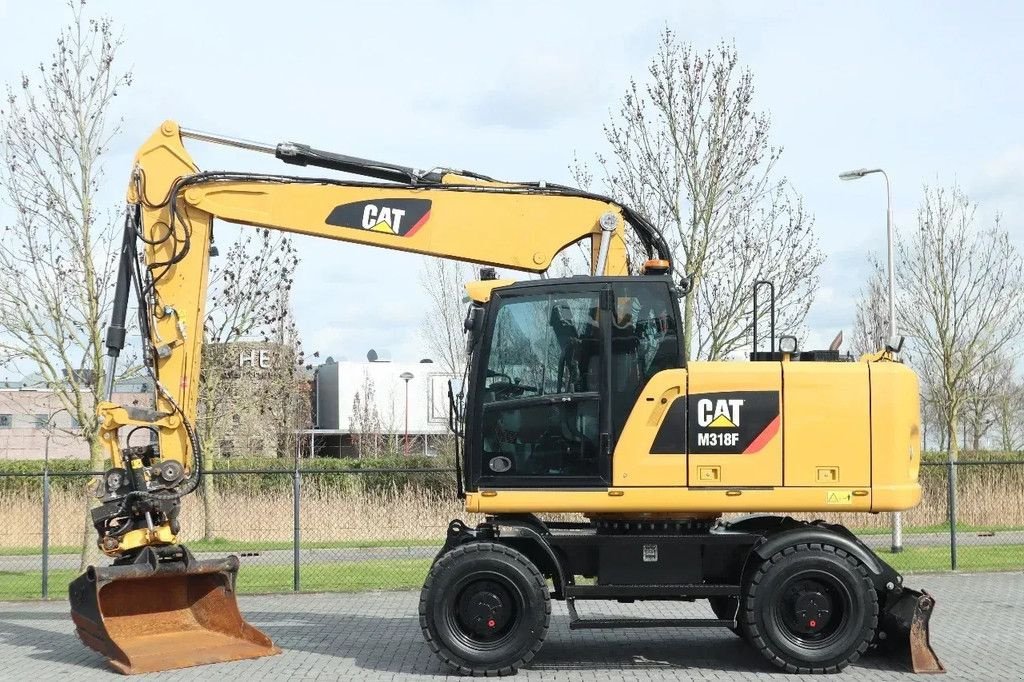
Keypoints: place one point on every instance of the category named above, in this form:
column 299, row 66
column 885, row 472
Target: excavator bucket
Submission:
column 905, row 629
column 156, row 615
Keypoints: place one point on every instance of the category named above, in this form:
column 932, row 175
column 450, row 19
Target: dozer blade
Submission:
column 156, row 615
column 905, row 626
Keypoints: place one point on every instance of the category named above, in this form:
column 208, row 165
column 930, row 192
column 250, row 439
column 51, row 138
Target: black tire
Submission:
column 484, row 609
column 810, row 608
column 724, row 608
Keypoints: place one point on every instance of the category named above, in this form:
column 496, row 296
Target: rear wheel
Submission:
column 484, row 609
column 810, row 609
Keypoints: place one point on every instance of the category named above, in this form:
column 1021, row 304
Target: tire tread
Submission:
column 447, row 656
column 748, row 621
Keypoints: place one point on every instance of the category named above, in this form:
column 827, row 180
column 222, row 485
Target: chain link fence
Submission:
column 324, row 530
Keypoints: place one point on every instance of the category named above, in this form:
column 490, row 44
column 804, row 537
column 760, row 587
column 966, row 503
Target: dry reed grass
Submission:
column 988, row 496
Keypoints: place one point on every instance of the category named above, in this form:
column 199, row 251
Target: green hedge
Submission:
column 273, row 474
column 33, row 485
column 319, row 474
column 972, row 456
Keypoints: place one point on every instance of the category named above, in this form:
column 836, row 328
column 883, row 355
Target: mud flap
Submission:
column 904, row 625
column 164, row 612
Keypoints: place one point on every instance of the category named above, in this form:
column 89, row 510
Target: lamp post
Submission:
column 897, row 517
column 407, row 377
column 860, row 173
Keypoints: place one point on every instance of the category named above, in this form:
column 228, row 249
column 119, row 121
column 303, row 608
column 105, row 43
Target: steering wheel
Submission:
column 505, row 390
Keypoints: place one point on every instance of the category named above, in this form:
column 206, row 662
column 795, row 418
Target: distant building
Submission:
column 31, row 414
column 337, row 385
column 253, row 400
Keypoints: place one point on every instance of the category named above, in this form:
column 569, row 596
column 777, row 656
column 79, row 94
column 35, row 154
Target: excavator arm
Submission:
column 165, row 252
column 448, row 214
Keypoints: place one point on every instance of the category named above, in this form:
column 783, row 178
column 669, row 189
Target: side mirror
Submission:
column 471, row 325
column 894, row 344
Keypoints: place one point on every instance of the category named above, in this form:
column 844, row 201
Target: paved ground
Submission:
column 976, row 630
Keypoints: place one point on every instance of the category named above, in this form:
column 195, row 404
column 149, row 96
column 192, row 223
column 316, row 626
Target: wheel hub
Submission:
column 812, row 611
column 484, row 610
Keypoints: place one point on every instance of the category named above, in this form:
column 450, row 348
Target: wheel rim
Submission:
column 811, row 609
column 484, row 610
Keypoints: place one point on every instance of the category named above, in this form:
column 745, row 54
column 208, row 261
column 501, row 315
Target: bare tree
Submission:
column 961, row 298
column 366, row 426
column 249, row 299
column 444, row 280
column 689, row 150
column 1008, row 414
column 986, row 388
column 57, row 251
column 249, row 289
column 871, row 323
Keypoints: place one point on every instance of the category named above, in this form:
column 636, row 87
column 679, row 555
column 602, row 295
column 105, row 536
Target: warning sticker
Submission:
column 839, row 497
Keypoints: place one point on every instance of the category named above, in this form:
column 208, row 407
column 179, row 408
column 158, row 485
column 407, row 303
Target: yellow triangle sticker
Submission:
column 839, row 497
column 382, row 226
column 722, row 422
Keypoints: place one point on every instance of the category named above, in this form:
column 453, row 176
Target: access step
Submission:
column 577, row 623
column 615, row 623
column 695, row 590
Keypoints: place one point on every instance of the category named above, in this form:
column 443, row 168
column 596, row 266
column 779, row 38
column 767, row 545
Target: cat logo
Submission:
column 382, row 218
column 402, row 217
column 719, row 414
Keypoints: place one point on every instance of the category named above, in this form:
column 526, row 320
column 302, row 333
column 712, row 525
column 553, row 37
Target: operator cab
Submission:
column 556, row 367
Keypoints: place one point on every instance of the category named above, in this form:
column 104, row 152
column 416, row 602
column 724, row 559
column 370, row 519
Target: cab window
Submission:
column 645, row 341
column 543, row 346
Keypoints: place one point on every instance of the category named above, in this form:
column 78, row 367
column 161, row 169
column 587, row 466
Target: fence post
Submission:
column 951, row 503
column 297, row 526
column 46, row 532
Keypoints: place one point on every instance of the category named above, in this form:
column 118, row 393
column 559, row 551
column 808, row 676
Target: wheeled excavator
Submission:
column 577, row 401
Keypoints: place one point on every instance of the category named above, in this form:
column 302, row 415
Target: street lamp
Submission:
column 855, row 175
column 897, row 517
column 407, row 377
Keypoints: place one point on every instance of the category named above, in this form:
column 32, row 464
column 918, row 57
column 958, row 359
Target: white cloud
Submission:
column 514, row 91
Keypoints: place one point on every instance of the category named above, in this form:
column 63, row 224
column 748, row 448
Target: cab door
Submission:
column 734, row 424
column 540, row 410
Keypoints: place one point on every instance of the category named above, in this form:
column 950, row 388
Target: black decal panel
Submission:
column 402, row 217
column 731, row 422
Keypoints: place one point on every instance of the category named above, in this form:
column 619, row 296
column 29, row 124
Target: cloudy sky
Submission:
column 930, row 91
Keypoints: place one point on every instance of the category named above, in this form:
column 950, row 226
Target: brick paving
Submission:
column 976, row 631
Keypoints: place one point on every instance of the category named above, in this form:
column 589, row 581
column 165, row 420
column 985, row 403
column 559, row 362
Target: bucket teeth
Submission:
column 156, row 614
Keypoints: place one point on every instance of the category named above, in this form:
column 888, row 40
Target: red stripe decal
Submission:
column 418, row 225
column 763, row 437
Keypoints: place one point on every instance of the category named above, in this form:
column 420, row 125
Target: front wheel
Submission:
column 810, row 609
column 484, row 609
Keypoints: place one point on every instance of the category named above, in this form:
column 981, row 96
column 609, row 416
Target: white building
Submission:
column 421, row 413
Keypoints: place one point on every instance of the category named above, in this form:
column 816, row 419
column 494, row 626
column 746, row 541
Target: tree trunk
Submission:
column 90, row 549
column 209, row 501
